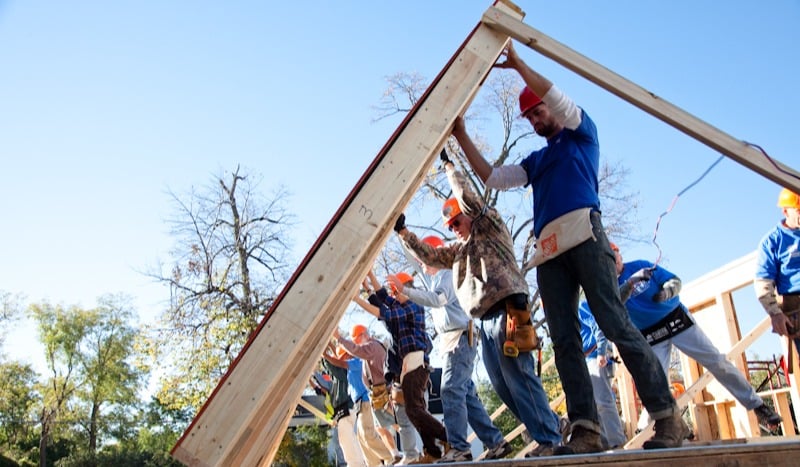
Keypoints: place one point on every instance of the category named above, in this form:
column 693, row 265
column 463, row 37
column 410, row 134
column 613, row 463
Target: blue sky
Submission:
column 106, row 105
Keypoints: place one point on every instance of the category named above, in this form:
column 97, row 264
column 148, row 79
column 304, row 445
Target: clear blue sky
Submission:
column 106, row 105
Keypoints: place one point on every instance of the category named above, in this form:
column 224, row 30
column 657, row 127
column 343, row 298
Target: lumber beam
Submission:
column 244, row 419
column 739, row 151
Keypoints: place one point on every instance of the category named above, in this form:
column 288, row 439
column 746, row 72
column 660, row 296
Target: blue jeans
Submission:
column 515, row 382
column 408, row 434
column 612, row 434
column 591, row 265
column 460, row 402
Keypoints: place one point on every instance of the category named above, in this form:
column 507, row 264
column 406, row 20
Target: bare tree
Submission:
column 11, row 309
column 228, row 263
column 497, row 108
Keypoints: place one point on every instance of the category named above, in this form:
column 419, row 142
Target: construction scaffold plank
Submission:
column 244, row 419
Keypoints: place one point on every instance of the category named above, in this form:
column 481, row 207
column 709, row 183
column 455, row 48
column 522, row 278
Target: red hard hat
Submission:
column 433, row 241
column 450, row 211
column 788, row 199
column 528, row 100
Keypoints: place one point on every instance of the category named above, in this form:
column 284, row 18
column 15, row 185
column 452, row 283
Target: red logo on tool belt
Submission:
column 549, row 245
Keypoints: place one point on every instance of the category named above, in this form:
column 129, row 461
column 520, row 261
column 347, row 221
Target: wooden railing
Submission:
column 714, row 413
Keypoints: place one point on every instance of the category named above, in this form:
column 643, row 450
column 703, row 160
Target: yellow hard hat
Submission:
column 788, row 199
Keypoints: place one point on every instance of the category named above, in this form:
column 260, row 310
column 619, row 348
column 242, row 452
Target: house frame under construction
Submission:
column 244, row 419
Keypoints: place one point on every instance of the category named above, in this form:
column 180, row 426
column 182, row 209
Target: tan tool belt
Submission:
column 397, row 394
column 520, row 334
column 379, row 396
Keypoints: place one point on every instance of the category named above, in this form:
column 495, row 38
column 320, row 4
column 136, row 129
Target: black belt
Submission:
column 674, row 323
column 494, row 310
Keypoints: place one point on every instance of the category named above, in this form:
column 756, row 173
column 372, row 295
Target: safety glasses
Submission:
column 454, row 225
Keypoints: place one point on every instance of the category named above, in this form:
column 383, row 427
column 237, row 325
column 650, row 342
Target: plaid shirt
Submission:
column 406, row 323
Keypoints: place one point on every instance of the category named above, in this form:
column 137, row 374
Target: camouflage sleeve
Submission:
column 441, row 258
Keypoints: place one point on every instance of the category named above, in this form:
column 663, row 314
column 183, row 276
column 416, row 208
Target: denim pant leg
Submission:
column 491, row 360
column 456, row 371
column 408, row 434
column 611, row 433
column 518, row 383
column 694, row 343
column 595, row 266
column 478, row 418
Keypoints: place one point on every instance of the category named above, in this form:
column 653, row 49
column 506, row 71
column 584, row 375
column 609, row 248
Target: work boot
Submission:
column 581, row 441
column 767, row 417
column 670, row 433
column 424, row 459
column 454, row 455
column 500, row 451
column 541, row 450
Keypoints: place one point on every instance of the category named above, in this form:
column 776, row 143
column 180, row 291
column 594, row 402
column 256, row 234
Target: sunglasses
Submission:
column 454, row 225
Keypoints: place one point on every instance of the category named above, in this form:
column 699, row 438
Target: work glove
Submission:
column 668, row 290
column 643, row 274
column 443, row 157
column 400, row 223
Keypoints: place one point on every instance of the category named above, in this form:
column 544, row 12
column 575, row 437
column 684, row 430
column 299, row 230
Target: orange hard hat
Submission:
column 433, row 241
column 614, row 246
column 404, row 278
column 450, row 211
column 341, row 353
column 358, row 329
column 528, row 100
column 788, row 199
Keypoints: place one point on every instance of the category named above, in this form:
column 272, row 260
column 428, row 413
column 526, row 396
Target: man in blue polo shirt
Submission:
column 572, row 252
column 777, row 281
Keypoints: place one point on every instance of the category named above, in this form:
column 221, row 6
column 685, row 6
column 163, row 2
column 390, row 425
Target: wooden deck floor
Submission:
column 761, row 452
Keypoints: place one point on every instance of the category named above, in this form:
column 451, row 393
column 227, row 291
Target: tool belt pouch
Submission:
column 562, row 234
column 397, row 395
column 525, row 338
column 790, row 305
column 379, row 396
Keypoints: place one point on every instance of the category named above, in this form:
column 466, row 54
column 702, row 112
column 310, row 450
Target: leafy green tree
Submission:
column 304, row 446
column 18, row 402
column 60, row 331
column 109, row 379
column 92, row 381
column 227, row 266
